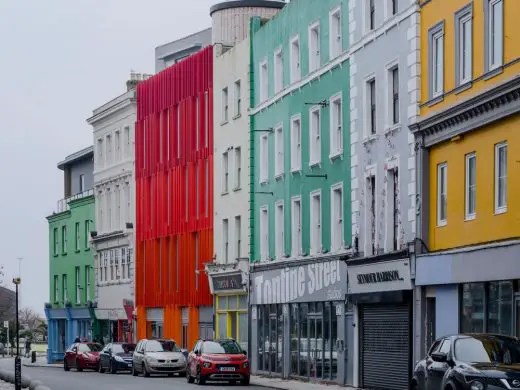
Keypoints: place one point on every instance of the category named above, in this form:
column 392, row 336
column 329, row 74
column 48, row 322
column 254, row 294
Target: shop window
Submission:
column 270, row 338
column 487, row 307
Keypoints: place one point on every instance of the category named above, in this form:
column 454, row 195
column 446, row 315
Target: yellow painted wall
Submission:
column 486, row 226
column 438, row 10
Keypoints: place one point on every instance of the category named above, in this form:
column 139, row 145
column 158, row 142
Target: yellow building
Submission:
column 468, row 167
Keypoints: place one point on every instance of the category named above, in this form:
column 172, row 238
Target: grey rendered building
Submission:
column 384, row 86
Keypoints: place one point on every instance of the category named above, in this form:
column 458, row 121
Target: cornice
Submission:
column 118, row 104
column 490, row 106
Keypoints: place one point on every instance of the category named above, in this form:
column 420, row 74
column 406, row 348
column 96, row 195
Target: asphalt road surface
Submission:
column 58, row 379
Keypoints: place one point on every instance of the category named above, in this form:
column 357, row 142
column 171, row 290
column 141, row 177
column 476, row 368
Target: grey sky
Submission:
column 59, row 59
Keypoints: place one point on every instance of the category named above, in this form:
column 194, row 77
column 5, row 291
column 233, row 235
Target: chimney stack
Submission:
column 136, row 78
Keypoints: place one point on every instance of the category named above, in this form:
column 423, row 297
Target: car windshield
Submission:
column 222, row 346
column 170, row 346
column 90, row 347
column 123, row 348
column 154, row 346
column 488, row 349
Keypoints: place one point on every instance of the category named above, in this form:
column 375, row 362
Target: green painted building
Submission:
column 71, row 264
column 300, row 190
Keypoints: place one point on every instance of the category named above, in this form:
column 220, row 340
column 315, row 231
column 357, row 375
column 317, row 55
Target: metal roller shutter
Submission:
column 385, row 346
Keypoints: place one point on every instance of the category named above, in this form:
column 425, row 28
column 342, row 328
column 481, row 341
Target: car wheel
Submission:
column 189, row 378
column 245, row 381
column 145, row 371
column 78, row 366
column 101, row 370
column 113, row 368
column 134, row 371
column 65, row 365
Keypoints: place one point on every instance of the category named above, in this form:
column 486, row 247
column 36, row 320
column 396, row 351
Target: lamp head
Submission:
column 17, row 280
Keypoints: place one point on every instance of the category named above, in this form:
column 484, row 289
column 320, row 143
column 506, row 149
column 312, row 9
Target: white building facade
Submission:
column 114, row 187
column 228, row 274
column 384, row 95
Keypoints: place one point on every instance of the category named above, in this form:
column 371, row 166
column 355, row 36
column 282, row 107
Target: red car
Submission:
column 219, row 360
column 82, row 356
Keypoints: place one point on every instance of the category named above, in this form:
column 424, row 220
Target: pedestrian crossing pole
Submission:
column 17, row 360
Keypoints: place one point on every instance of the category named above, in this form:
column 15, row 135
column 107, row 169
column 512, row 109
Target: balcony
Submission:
column 63, row 204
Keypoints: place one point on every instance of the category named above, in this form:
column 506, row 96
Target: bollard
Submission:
column 33, row 357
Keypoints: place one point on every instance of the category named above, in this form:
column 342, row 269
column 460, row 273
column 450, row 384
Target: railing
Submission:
column 63, row 204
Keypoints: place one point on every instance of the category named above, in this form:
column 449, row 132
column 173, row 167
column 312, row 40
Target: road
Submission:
column 58, row 379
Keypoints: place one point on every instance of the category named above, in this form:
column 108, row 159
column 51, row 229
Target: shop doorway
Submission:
column 517, row 315
column 430, row 322
column 270, row 339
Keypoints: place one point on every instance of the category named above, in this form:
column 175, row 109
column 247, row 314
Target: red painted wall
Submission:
column 174, row 184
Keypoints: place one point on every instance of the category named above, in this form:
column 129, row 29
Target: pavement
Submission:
column 56, row 378
column 6, row 386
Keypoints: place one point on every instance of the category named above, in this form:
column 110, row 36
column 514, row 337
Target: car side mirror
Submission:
column 439, row 357
column 244, row 352
column 196, row 352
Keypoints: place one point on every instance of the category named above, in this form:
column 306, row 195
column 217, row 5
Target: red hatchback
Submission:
column 82, row 356
column 219, row 360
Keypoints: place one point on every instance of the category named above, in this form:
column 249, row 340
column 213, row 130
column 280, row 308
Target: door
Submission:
column 72, row 355
column 139, row 355
column 517, row 316
column 430, row 321
column 435, row 370
column 104, row 357
column 316, row 349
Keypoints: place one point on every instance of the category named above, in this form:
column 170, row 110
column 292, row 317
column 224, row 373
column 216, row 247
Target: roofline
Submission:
column 246, row 3
column 183, row 38
column 79, row 155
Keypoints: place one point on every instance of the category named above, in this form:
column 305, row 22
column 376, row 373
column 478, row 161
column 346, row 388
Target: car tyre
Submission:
column 113, row 368
column 189, row 378
column 78, row 366
column 134, row 371
column 245, row 381
column 101, row 370
column 145, row 371
column 66, row 366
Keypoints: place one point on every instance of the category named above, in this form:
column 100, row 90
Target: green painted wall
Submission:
column 265, row 40
column 65, row 261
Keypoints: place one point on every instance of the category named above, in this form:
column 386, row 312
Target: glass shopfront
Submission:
column 232, row 321
column 314, row 332
column 270, row 338
column 489, row 307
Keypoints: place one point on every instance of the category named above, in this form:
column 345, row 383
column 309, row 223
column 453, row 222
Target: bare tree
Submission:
column 29, row 318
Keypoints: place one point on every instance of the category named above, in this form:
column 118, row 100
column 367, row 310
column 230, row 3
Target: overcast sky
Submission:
column 60, row 59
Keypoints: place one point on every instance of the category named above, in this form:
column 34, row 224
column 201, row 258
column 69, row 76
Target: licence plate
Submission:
column 227, row 368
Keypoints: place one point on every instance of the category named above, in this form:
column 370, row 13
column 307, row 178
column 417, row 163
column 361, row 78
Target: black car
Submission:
column 470, row 362
column 116, row 357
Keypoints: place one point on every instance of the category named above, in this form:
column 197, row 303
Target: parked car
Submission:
column 82, row 356
column 219, row 360
column 470, row 362
column 158, row 357
column 116, row 357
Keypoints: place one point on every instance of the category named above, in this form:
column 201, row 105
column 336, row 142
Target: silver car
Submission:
column 158, row 357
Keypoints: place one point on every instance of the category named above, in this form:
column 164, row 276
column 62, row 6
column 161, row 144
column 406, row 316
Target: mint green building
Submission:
column 300, row 191
column 69, row 309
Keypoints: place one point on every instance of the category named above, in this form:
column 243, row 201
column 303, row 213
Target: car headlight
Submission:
column 206, row 364
column 150, row 359
column 119, row 359
column 245, row 364
column 476, row 385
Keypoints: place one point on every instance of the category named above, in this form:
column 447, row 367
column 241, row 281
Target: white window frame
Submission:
column 278, row 70
column 238, row 168
column 392, row 192
column 337, row 243
column 77, row 232
column 264, row 233
column 490, row 65
column 500, row 209
column 434, row 34
column 225, row 172
column 314, row 136
column 238, row 98
column 56, row 288
column 336, row 128
column 335, row 37
column 279, row 151
column 371, row 247
column 280, row 229
column 314, row 47
column 368, row 107
column 464, row 55
column 264, row 158
column 295, row 63
column 442, row 167
column 264, row 80
column 87, row 283
column 368, row 20
column 296, row 231
column 389, row 109
column 316, row 228
column 124, row 259
column 238, row 236
column 296, row 144
column 470, row 214
column 225, row 105
column 78, row 284
column 225, row 240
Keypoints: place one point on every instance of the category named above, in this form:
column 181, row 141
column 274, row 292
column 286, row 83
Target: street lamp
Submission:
column 17, row 360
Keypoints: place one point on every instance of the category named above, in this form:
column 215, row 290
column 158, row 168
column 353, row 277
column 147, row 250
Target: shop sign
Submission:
column 318, row 282
column 227, row 282
column 379, row 277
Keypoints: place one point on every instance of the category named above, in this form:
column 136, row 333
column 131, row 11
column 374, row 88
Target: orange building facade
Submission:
column 174, row 201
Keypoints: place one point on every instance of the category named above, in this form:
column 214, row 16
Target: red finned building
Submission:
column 174, row 201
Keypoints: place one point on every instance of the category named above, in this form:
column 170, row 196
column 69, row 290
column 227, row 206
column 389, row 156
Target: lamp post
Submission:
column 17, row 360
